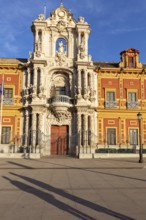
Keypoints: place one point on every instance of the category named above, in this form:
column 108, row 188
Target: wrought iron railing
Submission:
column 8, row 101
column 110, row 104
column 132, row 105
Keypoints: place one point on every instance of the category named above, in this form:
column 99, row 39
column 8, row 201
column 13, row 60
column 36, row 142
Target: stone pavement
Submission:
column 71, row 189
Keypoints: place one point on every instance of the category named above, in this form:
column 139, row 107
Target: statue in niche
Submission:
column 82, row 47
column 61, row 47
column 61, row 53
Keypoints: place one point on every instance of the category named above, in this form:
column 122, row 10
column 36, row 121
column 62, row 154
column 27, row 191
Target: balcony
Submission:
column 110, row 104
column 60, row 99
column 60, row 103
column 8, row 101
column 132, row 105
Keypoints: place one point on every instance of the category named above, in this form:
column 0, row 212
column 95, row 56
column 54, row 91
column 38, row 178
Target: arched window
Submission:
column 82, row 38
column 38, row 80
column 40, row 36
column 89, row 80
column 82, row 82
column 61, row 45
column 60, row 85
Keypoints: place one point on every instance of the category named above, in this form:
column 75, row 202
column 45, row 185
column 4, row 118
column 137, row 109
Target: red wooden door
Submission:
column 59, row 140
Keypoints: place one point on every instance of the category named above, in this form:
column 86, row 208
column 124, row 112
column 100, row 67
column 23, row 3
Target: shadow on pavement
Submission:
column 50, row 199
column 20, row 165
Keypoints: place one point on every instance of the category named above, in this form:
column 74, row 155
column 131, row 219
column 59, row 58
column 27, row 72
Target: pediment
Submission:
column 62, row 17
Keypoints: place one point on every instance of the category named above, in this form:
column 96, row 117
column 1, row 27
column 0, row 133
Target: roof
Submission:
column 107, row 64
column 12, row 60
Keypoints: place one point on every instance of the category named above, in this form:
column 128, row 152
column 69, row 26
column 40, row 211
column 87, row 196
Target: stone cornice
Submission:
column 44, row 62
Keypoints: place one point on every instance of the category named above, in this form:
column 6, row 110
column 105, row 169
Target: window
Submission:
column 60, row 91
column 133, row 136
column 31, row 77
column 132, row 100
column 89, row 80
column 6, row 132
column 131, row 96
column 110, row 100
column 8, row 93
column 39, row 36
column 111, row 136
column 131, row 62
column 110, row 96
column 38, row 80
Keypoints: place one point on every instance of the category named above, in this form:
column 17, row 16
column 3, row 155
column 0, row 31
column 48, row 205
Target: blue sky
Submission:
column 116, row 25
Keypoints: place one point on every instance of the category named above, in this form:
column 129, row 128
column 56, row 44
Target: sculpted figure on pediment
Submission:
column 61, row 26
column 41, row 17
column 81, row 19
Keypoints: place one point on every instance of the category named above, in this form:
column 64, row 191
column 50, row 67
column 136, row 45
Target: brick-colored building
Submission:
column 12, row 104
column 121, row 95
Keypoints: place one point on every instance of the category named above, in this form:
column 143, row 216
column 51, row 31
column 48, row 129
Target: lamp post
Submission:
column 139, row 116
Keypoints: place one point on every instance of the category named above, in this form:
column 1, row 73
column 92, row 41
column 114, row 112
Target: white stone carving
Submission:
column 81, row 19
column 41, row 17
column 61, row 68
column 82, row 49
column 60, row 58
column 61, row 26
column 63, row 118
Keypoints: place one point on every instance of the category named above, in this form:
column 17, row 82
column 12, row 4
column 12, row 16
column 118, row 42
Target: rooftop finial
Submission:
column 61, row 3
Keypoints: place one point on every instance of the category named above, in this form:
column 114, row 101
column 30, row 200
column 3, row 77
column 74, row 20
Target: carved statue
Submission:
column 61, row 47
column 41, row 17
column 81, row 19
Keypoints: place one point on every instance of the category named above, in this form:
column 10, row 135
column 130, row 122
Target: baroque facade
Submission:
column 63, row 103
column 60, row 97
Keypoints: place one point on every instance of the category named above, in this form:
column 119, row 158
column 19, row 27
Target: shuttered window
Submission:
column 131, row 62
column 110, row 96
column 8, row 93
column 131, row 96
column 111, row 136
column 133, row 136
column 6, row 133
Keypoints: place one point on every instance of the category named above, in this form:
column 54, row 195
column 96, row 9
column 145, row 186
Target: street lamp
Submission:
column 139, row 116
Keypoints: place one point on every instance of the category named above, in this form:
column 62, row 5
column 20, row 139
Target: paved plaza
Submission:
column 71, row 189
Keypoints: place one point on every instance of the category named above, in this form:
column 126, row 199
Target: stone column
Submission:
column 85, row 130
column 79, row 82
column 53, row 45
column 40, row 124
column 79, row 39
column 86, row 43
column 79, row 130
column 93, row 138
column 33, row 136
column 29, row 75
column 85, row 84
column 35, row 81
column 26, row 128
column 22, row 128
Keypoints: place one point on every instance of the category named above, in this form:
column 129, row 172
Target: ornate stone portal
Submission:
column 61, row 83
